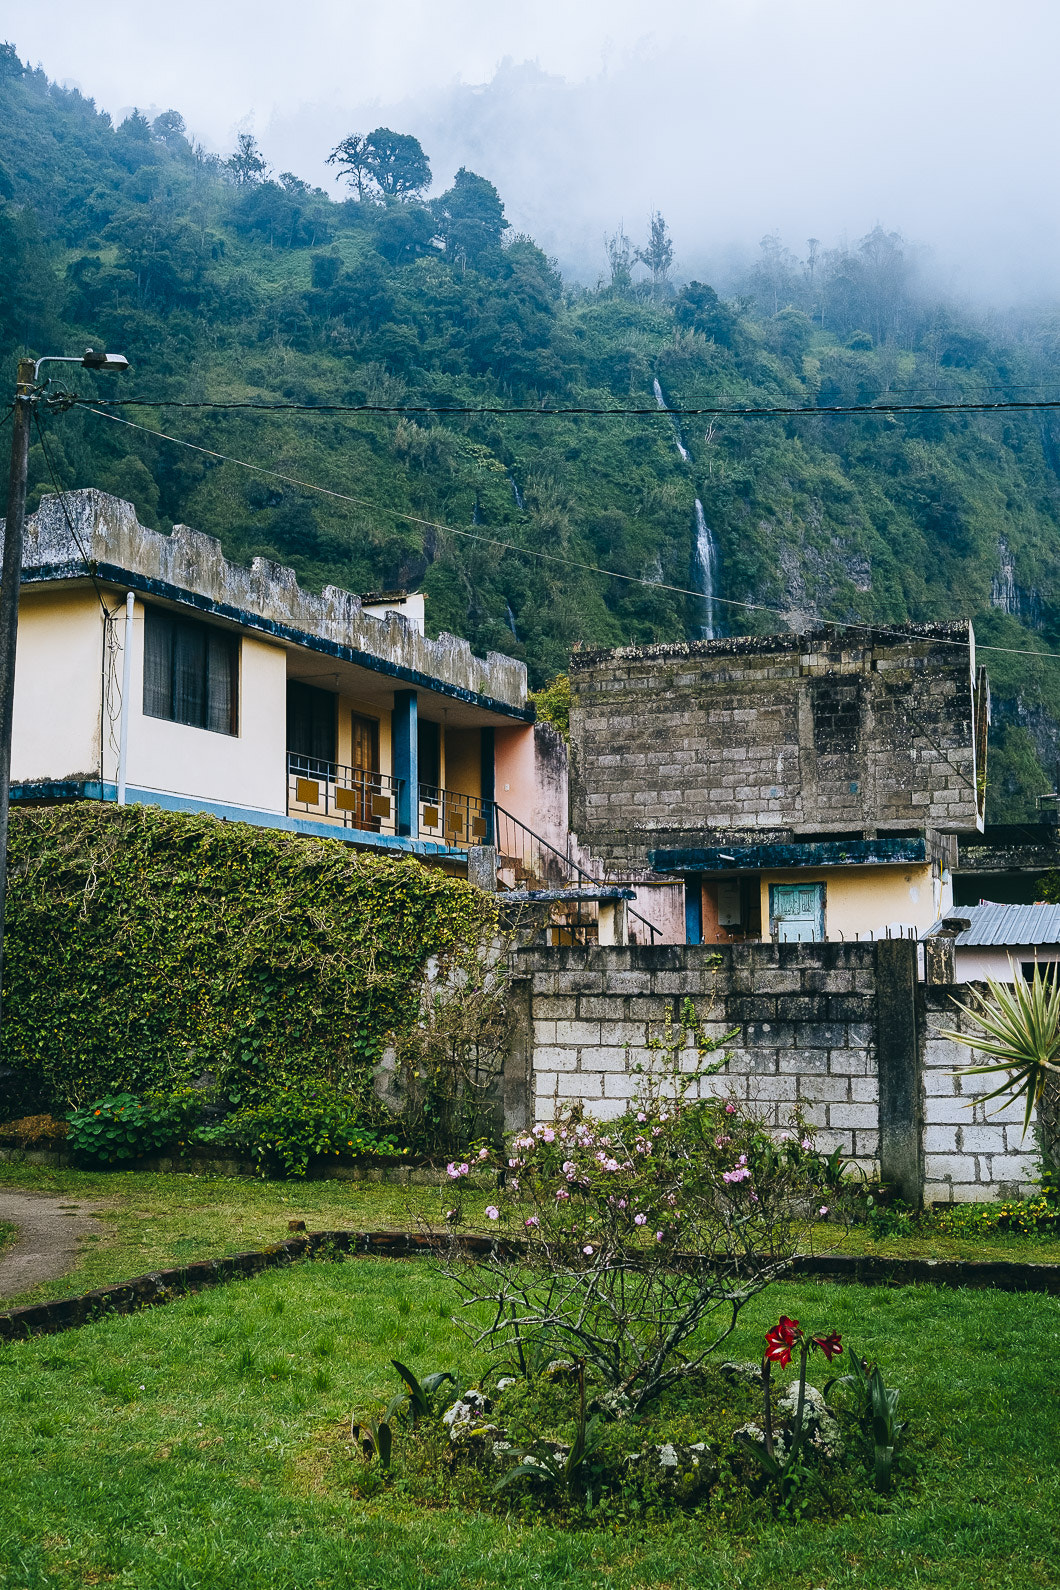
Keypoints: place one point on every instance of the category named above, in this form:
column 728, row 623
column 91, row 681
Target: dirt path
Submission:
column 49, row 1231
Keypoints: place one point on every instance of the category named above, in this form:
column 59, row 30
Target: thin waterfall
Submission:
column 704, row 571
column 705, row 549
column 511, row 619
column 516, row 493
column 681, row 448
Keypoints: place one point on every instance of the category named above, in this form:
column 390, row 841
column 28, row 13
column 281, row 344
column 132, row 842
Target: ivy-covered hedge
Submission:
column 146, row 948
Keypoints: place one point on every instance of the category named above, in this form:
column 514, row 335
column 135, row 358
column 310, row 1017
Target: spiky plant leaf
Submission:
column 1020, row 1024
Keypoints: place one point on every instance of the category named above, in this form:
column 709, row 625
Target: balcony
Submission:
column 332, row 792
column 454, row 819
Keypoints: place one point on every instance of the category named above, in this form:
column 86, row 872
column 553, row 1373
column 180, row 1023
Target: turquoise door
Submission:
column 797, row 910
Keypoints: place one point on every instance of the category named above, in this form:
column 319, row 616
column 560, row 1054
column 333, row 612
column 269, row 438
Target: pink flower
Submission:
column 621, row 1203
column 561, row 1193
column 532, row 1221
column 515, row 1184
column 588, row 1249
column 512, row 1163
column 806, row 1143
column 640, row 1220
column 548, row 1135
column 823, row 1209
column 453, row 1169
column 641, row 1115
column 658, row 1236
column 491, row 1212
column 483, row 1153
column 730, row 1109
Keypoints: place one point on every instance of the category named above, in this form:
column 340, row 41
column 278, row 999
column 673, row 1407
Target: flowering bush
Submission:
column 631, row 1236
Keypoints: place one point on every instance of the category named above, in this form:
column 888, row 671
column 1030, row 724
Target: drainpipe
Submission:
column 126, row 689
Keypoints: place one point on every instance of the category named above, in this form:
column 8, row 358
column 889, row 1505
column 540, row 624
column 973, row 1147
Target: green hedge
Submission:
column 147, row 948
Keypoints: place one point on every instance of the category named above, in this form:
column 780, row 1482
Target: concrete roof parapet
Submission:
column 107, row 534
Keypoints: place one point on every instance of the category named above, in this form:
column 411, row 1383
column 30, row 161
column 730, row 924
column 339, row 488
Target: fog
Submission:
column 735, row 118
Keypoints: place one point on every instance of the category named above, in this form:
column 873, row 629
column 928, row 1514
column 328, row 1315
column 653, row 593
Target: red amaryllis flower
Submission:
column 777, row 1351
column 830, row 1345
column 788, row 1330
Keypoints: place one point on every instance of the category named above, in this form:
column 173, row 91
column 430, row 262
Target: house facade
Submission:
column 152, row 669
column 803, row 787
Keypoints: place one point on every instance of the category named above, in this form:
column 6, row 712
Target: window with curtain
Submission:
column 190, row 672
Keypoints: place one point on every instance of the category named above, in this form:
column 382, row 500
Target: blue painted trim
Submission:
column 693, row 911
column 405, row 756
column 93, row 790
column 777, row 858
column 115, row 575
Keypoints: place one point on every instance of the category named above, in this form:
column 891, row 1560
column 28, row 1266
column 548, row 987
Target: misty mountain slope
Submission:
column 266, row 290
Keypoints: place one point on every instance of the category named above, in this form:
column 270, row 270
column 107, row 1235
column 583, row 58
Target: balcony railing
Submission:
column 455, row 819
column 347, row 795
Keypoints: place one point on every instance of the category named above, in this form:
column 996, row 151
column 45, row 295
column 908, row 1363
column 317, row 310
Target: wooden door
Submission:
column 364, row 763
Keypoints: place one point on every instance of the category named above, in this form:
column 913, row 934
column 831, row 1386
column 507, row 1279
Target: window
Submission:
column 311, row 725
column 190, row 672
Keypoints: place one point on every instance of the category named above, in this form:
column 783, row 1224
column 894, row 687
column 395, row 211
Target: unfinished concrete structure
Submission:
column 804, row 786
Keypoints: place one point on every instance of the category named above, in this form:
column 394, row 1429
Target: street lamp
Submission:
column 27, row 395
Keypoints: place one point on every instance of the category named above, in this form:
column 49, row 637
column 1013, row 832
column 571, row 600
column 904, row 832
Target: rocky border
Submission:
column 165, row 1286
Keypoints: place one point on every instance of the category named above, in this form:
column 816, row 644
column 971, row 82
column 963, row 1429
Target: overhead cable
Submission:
column 529, row 552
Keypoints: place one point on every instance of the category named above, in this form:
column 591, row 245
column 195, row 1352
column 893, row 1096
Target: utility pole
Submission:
column 10, row 580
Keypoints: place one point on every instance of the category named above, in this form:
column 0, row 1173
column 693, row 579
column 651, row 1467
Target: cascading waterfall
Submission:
column 705, row 551
column 516, row 493
column 704, row 569
column 681, row 448
column 511, row 619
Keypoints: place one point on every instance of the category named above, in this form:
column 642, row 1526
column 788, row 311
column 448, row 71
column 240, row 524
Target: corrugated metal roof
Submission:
column 1004, row 924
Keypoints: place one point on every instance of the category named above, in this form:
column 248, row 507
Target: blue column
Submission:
column 404, row 733
column 488, row 781
column 693, row 909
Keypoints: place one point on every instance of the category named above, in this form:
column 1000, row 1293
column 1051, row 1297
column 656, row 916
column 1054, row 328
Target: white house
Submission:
column 151, row 669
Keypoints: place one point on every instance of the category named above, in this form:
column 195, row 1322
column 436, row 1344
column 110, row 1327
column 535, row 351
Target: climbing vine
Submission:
column 149, row 949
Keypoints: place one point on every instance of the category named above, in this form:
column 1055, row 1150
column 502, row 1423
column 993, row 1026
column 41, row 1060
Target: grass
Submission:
column 8, row 1233
column 151, row 1222
column 202, row 1445
column 934, row 1245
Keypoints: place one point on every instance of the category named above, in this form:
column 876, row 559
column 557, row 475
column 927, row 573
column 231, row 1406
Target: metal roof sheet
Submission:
column 1004, row 924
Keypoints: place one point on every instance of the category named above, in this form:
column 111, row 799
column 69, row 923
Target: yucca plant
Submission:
column 1020, row 1024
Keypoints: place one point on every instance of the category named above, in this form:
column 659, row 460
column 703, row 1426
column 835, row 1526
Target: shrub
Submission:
column 178, row 944
column 296, row 1124
column 125, row 1127
column 633, row 1236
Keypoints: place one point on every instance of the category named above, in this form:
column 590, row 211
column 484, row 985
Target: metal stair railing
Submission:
column 516, row 844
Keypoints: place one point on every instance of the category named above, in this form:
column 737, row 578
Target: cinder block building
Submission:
column 804, row 787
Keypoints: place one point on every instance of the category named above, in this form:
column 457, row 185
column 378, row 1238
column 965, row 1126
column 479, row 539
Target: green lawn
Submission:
column 201, row 1446
column 8, row 1233
column 151, row 1222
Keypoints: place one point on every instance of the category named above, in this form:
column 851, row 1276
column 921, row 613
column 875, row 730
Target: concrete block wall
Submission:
column 810, row 733
column 805, row 1017
column 973, row 1151
column 817, row 1026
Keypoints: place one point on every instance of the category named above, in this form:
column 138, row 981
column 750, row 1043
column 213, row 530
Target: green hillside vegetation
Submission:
column 223, row 281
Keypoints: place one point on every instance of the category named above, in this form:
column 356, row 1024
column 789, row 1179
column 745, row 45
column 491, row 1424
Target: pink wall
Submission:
column 531, row 779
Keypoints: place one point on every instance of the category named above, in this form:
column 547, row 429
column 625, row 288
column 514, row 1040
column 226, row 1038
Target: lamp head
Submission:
column 93, row 360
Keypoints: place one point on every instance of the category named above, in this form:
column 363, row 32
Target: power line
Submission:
column 66, row 515
column 715, row 410
column 525, row 551
column 531, row 552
